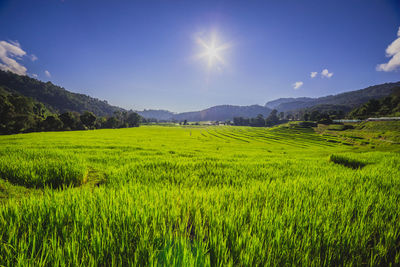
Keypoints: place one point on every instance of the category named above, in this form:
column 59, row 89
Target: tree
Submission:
column 52, row 123
column 40, row 110
column 112, row 122
column 272, row 119
column 315, row 115
column 88, row 119
column 240, row 121
column 258, row 121
column 69, row 120
column 100, row 122
column 133, row 119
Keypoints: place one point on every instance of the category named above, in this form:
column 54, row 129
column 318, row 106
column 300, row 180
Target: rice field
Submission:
column 197, row 196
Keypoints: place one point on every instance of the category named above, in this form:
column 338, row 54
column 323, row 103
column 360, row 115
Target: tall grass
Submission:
column 183, row 196
column 39, row 168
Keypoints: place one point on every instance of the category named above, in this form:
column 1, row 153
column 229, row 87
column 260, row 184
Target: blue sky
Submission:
column 143, row 54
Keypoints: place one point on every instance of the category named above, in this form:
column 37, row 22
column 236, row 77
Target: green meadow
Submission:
column 199, row 196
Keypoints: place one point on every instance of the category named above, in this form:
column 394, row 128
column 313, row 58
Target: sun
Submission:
column 212, row 51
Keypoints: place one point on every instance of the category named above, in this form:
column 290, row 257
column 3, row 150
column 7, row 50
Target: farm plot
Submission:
column 197, row 196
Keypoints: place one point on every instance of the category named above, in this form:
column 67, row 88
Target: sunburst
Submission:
column 213, row 51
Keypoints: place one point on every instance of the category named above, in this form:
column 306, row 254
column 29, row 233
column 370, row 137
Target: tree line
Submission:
column 259, row 121
column 388, row 106
column 20, row 114
column 275, row 118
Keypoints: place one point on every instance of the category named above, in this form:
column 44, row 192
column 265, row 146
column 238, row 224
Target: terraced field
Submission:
column 197, row 196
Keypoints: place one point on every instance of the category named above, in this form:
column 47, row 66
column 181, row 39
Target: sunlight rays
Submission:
column 212, row 51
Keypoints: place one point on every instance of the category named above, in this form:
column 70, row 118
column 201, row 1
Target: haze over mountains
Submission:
column 60, row 100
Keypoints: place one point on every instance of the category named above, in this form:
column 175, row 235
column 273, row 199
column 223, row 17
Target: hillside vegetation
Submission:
column 376, row 133
column 54, row 97
column 388, row 106
column 350, row 99
column 198, row 196
column 20, row 114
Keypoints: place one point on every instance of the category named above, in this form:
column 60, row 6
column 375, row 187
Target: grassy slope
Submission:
column 202, row 196
column 375, row 133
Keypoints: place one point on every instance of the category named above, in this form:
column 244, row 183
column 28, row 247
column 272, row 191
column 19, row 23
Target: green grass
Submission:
column 376, row 133
column 39, row 168
column 197, row 196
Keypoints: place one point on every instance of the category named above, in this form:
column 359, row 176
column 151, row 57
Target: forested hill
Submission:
column 388, row 106
column 54, row 97
column 349, row 100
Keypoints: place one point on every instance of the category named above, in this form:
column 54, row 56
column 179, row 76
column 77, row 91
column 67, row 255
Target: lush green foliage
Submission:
column 388, row 106
column 57, row 98
column 21, row 114
column 259, row 121
column 205, row 196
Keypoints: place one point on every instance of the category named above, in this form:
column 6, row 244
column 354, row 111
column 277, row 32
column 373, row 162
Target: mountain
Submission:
column 223, row 113
column 349, row 100
column 275, row 103
column 54, row 97
column 216, row 113
column 158, row 114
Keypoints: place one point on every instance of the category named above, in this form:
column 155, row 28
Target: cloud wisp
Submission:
column 313, row 74
column 297, row 85
column 326, row 73
column 47, row 73
column 34, row 58
column 393, row 51
column 10, row 52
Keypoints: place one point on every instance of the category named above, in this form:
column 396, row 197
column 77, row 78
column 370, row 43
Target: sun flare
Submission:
column 212, row 51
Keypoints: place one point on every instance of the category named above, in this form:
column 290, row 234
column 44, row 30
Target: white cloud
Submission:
column 47, row 73
column 9, row 53
column 34, row 75
column 33, row 57
column 326, row 73
column 393, row 51
column 297, row 85
column 313, row 74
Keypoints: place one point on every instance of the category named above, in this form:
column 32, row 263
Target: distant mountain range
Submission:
column 348, row 100
column 57, row 99
column 223, row 113
column 159, row 114
column 216, row 113
column 274, row 104
column 341, row 102
column 54, row 97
